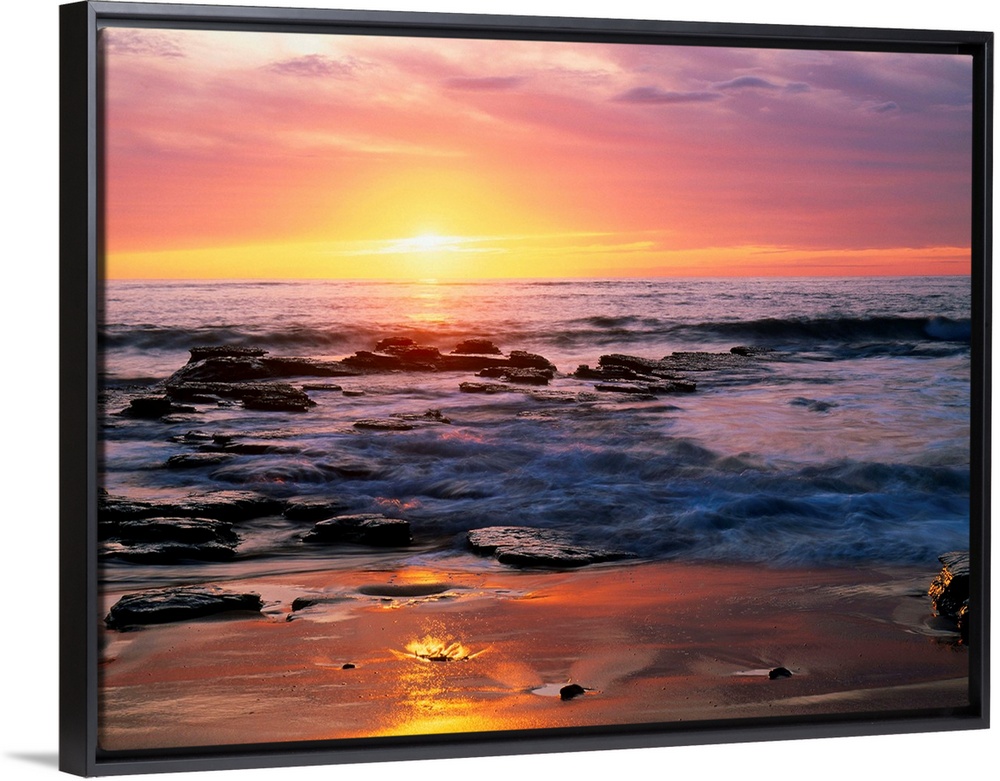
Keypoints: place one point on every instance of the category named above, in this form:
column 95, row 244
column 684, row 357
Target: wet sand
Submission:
column 653, row 642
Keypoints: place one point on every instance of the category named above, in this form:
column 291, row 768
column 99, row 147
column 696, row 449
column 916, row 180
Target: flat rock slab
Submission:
column 167, row 552
column 220, row 506
column 268, row 396
column 384, row 424
column 313, row 509
column 524, row 546
column 187, row 530
column 178, row 604
column 363, row 529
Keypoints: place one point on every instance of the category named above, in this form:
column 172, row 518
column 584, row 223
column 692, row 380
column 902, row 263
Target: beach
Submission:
column 650, row 643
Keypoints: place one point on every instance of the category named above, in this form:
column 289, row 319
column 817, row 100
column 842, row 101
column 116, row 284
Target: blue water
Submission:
column 849, row 443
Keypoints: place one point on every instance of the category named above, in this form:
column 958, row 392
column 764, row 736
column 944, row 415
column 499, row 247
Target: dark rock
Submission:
column 369, row 361
column 523, row 546
column 621, row 387
column 750, row 350
column 813, row 405
column 248, row 448
column 430, row 416
column 167, row 552
column 254, row 395
column 220, row 505
column 402, row 358
column 242, row 364
column 196, row 460
column 477, row 347
column 221, row 369
column 322, row 387
column 459, row 362
column 384, row 424
column 520, row 359
column 671, row 386
column 347, row 666
column 170, row 540
column 313, row 509
column 363, row 529
column 152, row 407
column 224, row 351
column 779, row 672
column 641, row 366
column 306, row 367
column 584, row 372
column 385, row 345
column 188, row 530
column 189, row 437
column 949, row 591
column 178, row 604
column 277, row 398
column 485, row 387
column 702, row 362
column 519, row 376
column 571, row 691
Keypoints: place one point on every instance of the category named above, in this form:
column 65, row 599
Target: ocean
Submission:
column 844, row 442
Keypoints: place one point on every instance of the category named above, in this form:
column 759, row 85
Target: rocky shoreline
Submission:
column 205, row 527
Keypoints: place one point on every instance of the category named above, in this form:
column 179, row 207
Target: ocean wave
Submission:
column 838, row 329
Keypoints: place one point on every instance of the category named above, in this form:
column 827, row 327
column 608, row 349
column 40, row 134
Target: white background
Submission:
column 29, row 519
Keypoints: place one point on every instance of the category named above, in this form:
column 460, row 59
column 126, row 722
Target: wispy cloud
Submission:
column 484, row 83
column 747, row 82
column 657, row 95
column 313, row 65
column 140, row 42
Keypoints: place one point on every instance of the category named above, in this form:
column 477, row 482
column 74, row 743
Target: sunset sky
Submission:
column 262, row 155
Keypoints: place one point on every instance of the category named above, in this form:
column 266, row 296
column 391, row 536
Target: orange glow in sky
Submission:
column 265, row 155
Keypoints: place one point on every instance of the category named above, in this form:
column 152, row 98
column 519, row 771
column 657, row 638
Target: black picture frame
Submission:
column 80, row 259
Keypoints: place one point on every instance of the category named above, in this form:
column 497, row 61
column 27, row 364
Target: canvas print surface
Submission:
column 462, row 385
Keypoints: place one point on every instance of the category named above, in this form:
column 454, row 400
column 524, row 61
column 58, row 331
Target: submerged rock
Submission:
column 703, row 362
column 195, row 460
column 749, row 350
column 178, row 604
column 949, row 591
column 363, row 529
column 384, row 424
column 524, row 546
column 430, row 416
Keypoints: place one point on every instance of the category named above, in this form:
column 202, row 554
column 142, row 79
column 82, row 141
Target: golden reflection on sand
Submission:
column 440, row 689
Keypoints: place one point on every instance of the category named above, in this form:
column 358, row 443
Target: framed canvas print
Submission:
column 442, row 385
